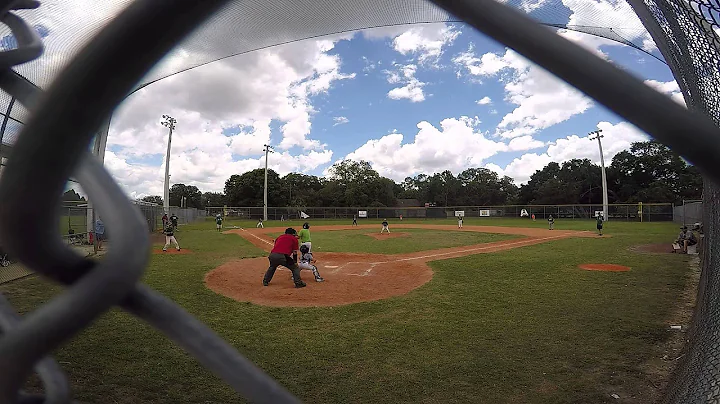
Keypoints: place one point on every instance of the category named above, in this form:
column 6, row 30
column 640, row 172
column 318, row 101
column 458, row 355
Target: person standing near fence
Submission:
column 174, row 221
column 165, row 221
column 551, row 223
column 99, row 233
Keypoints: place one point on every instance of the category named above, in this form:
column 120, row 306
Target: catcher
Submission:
column 307, row 262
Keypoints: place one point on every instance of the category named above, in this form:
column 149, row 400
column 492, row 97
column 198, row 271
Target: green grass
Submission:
column 519, row 326
column 415, row 240
column 78, row 223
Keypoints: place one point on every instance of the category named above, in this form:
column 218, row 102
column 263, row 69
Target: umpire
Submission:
column 282, row 255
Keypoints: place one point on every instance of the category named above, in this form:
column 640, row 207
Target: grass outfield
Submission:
column 518, row 326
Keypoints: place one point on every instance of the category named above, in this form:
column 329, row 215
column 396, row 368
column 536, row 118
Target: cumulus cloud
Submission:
column 455, row 145
column 339, row 120
column 484, row 101
column 616, row 138
column 412, row 88
column 541, row 99
column 426, row 42
column 670, row 88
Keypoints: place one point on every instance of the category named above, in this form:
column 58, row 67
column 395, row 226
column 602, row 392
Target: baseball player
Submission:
column 385, row 227
column 354, row 220
column 460, row 222
column 551, row 223
column 170, row 237
column 307, row 262
column 174, row 221
column 260, row 224
column 218, row 222
column 304, row 236
column 282, row 255
column 600, row 224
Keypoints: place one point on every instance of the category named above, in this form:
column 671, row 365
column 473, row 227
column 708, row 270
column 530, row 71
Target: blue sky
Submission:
column 320, row 101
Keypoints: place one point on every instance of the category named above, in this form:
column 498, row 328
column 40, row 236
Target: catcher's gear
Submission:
column 304, row 249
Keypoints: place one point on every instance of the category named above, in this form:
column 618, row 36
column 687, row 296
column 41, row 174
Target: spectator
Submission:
column 685, row 239
column 99, row 233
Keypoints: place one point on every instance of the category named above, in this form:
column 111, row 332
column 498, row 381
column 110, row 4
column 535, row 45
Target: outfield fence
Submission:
column 650, row 212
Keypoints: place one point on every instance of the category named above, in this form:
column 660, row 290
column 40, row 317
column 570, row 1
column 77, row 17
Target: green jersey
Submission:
column 304, row 236
column 599, row 221
column 218, row 220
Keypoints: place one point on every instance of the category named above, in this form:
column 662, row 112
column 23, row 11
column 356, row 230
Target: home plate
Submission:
column 331, row 266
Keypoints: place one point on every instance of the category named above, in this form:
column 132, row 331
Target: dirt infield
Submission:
column 353, row 278
column 383, row 236
column 604, row 267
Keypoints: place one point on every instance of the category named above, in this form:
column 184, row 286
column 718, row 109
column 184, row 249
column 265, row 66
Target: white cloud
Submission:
column 339, row 120
column 670, row 88
column 412, row 88
column 455, row 145
column 484, row 101
column 616, row 138
column 425, row 41
column 523, row 143
column 542, row 100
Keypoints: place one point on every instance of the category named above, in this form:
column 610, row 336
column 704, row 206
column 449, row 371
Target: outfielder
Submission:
column 460, row 220
column 307, row 262
column 354, row 220
column 551, row 223
column 385, row 227
column 260, row 224
column 218, row 222
column 304, row 236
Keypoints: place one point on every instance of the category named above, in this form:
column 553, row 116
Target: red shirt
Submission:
column 285, row 244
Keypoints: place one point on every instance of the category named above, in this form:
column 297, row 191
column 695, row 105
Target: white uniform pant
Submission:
column 260, row 224
column 385, row 228
column 308, row 244
column 170, row 239
column 313, row 268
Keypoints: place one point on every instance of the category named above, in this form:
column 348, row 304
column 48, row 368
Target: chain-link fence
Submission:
column 648, row 212
column 690, row 212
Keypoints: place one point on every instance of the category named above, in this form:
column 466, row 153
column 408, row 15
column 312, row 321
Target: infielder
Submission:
column 354, row 220
column 260, row 224
column 460, row 220
column 600, row 224
column 281, row 255
column 307, row 262
column 551, row 223
column 218, row 222
column 304, row 236
column 385, row 227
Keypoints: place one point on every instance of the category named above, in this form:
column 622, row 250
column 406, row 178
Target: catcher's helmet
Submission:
column 304, row 249
column 306, row 225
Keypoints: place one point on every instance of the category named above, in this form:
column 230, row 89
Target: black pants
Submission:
column 276, row 260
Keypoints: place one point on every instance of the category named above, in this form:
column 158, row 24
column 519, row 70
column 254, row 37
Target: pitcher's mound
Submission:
column 604, row 267
column 171, row 251
column 378, row 236
column 349, row 278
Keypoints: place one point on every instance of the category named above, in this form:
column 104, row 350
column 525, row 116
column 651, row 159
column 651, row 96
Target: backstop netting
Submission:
column 682, row 29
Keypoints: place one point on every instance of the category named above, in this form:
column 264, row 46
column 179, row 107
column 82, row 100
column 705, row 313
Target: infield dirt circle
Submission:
column 353, row 278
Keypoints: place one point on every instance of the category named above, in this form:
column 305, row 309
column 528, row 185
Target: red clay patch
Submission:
column 354, row 278
column 383, row 236
column 171, row 251
column 664, row 248
column 604, row 267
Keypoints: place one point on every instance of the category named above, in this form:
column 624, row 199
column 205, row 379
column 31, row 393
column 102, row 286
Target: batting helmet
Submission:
column 290, row 230
column 304, row 249
column 306, row 225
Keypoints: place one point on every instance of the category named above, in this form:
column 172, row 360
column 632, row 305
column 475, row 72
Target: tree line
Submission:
column 647, row 172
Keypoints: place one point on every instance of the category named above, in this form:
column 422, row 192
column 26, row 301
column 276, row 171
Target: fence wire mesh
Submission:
column 688, row 42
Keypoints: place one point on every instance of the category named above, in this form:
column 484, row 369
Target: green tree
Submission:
column 247, row 189
column 193, row 196
column 156, row 199
column 213, row 199
column 302, row 190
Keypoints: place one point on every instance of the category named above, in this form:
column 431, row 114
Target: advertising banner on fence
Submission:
column 485, row 213
column 459, row 213
column 362, row 213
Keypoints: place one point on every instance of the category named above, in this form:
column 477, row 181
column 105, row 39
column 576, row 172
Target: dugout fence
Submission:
column 640, row 212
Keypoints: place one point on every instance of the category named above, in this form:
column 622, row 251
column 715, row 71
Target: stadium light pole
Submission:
column 267, row 149
column 169, row 123
column 598, row 136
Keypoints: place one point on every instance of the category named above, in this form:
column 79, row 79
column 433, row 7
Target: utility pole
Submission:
column 267, row 149
column 598, row 136
column 169, row 123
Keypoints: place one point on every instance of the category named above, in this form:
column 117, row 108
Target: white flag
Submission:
column 304, row 215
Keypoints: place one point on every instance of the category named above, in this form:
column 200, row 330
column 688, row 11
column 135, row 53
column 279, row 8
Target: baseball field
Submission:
column 496, row 312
